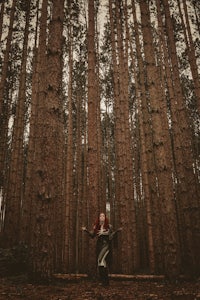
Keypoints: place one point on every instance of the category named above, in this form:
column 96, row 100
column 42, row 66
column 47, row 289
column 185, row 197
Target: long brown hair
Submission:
column 97, row 225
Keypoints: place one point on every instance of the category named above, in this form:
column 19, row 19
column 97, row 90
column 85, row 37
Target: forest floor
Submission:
column 84, row 289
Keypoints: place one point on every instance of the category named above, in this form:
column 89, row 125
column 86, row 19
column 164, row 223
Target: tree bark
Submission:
column 92, row 134
column 47, row 191
column 15, row 188
column 187, row 183
column 162, row 151
column 4, row 103
column 147, row 159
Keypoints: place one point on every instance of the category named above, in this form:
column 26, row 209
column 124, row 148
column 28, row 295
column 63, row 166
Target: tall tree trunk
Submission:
column 147, row 159
column 190, row 52
column 124, row 167
column 1, row 18
column 162, row 151
column 116, row 130
column 92, row 132
column 79, row 184
column 47, row 192
column 14, row 194
column 187, row 182
column 80, row 169
column 85, row 203
column 128, row 160
column 4, row 104
column 69, row 217
column 38, row 61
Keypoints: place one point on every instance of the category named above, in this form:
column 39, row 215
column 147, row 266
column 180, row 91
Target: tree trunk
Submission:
column 162, row 151
column 47, row 191
column 187, row 183
column 92, row 133
column 69, row 217
column 4, row 104
column 38, row 61
column 147, row 160
column 15, row 190
column 192, row 57
column 1, row 19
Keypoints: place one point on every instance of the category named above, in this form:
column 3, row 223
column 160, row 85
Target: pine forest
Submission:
column 100, row 112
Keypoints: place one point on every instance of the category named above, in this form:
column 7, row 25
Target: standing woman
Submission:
column 103, row 231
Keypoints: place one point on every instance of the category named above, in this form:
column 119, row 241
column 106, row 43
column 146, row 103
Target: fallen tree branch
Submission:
column 113, row 276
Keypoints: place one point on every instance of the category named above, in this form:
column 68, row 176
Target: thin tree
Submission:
column 69, row 217
column 1, row 18
column 92, row 130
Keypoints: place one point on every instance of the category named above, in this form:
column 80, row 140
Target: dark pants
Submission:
column 103, row 275
column 103, row 251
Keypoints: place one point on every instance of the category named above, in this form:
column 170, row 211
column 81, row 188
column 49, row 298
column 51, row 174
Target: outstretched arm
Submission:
column 90, row 233
column 114, row 233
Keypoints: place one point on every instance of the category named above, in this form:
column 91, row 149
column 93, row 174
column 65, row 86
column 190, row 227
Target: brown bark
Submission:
column 147, row 161
column 124, row 86
column 1, row 18
column 79, row 184
column 101, row 189
column 38, row 61
column 162, row 151
column 6, row 57
column 92, row 133
column 47, row 191
column 86, row 201
column 125, row 214
column 14, row 194
column 116, row 131
column 187, row 183
column 4, row 103
column 190, row 51
column 69, row 213
column 31, row 229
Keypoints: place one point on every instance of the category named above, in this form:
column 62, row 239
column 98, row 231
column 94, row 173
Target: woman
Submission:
column 103, row 230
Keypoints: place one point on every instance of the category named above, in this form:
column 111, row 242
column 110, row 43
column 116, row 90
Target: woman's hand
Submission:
column 84, row 228
column 120, row 229
column 104, row 232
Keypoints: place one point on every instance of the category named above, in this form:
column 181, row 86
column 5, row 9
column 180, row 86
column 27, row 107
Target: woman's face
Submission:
column 102, row 217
